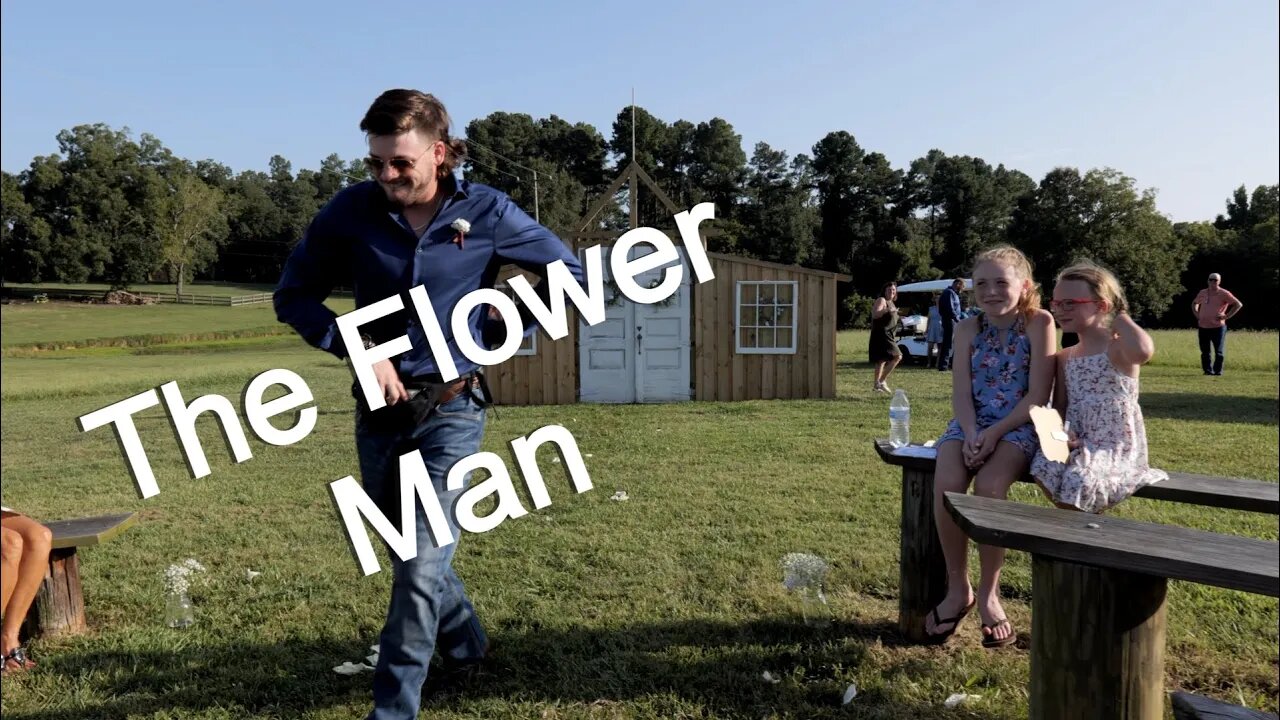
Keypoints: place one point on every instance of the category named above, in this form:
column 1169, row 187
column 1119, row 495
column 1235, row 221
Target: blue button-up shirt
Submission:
column 358, row 238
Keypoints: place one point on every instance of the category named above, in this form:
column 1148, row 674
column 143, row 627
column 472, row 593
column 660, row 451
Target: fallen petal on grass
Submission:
column 959, row 699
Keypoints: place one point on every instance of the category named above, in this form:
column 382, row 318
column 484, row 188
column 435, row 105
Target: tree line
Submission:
column 108, row 208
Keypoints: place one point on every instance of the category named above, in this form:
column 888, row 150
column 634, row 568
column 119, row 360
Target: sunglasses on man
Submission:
column 399, row 164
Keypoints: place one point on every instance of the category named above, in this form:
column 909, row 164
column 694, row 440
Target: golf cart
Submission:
column 912, row 328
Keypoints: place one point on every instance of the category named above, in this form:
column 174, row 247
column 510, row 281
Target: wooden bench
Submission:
column 59, row 605
column 1098, row 587
column 1194, row 707
column 922, row 576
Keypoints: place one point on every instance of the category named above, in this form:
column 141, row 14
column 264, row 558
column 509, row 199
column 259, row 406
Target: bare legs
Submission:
column 32, row 542
column 993, row 479
column 883, row 369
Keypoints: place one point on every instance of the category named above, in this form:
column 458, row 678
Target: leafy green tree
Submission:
column 717, row 166
column 24, row 237
column 189, row 223
column 779, row 221
column 1101, row 216
column 98, row 214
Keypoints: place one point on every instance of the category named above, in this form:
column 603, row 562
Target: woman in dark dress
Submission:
column 883, row 346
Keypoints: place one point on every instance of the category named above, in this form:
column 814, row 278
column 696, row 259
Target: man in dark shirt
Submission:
column 385, row 237
column 949, row 309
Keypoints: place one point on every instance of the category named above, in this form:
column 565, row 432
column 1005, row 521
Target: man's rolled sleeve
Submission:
column 310, row 274
column 521, row 240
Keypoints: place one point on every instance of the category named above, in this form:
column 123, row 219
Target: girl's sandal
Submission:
column 989, row 640
column 17, row 655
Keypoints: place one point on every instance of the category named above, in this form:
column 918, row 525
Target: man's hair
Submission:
column 400, row 111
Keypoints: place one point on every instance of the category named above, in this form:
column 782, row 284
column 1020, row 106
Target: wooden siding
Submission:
column 722, row 373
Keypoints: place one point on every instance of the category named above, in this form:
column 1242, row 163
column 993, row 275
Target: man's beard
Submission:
column 414, row 195
column 396, row 194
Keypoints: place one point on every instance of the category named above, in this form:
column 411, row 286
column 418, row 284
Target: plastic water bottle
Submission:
column 899, row 419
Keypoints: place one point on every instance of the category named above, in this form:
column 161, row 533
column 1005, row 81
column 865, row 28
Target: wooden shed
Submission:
column 758, row 330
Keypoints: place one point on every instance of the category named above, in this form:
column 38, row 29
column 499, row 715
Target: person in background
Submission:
column 933, row 333
column 882, row 347
column 1213, row 307
column 949, row 308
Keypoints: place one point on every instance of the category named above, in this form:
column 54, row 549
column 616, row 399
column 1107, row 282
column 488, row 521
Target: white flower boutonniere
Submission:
column 463, row 227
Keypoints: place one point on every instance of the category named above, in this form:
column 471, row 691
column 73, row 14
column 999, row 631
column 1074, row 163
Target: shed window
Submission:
column 766, row 317
column 529, row 346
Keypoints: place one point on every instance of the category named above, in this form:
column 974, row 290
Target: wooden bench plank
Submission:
column 1190, row 488
column 1197, row 707
column 1178, row 553
column 84, row 532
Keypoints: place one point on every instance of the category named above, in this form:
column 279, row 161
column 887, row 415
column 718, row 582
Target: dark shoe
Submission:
column 954, row 622
column 456, row 675
column 989, row 633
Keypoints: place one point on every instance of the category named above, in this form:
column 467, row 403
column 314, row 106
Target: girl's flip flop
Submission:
column 988, row 637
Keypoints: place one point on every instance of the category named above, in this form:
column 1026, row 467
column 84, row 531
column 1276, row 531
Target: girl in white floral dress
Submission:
column 1097, row 390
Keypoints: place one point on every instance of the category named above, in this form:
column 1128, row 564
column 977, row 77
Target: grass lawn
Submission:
column 29, row 326
column 668, row 605
column 200, row 288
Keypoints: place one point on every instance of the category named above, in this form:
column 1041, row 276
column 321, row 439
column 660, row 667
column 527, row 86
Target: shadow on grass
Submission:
column 1209, row 407
column 716, row 663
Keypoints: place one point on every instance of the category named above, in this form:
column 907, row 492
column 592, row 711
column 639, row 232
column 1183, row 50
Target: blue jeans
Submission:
column 429, row 609
column 1215, row 339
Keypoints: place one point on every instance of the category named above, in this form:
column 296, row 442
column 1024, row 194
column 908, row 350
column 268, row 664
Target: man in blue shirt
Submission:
column 949, row 309
column 385, row 237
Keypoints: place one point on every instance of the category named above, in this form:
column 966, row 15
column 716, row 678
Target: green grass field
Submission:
column 668, row 605
column 200, row 288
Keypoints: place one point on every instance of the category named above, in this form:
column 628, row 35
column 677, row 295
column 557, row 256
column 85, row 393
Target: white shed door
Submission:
column 640, row 353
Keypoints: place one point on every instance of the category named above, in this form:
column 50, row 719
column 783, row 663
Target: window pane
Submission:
column 785, row 315
column 766, row 338
column 746, row 316
column 784, row 293
column 783, row 339
column 766, row 294
column 748, row 337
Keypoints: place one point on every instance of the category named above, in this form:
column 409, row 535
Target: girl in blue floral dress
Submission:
column 990, row 441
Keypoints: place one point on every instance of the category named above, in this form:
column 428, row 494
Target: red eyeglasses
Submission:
column 1071, row 304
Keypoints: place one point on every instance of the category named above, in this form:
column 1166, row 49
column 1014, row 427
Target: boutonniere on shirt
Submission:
column 463, row 227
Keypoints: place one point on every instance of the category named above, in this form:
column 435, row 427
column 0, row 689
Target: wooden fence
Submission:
column 55, row 293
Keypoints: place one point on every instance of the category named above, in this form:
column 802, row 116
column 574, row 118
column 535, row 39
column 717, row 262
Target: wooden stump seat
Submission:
column 59, row 605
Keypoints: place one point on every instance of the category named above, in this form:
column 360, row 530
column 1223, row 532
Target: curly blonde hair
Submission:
column 1012, row 257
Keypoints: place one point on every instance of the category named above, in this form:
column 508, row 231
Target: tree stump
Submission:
column 1098, row 649
column 59, row 605
column 922, row 571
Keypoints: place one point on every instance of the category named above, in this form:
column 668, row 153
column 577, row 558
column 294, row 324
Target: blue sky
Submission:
column 1181, row 96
